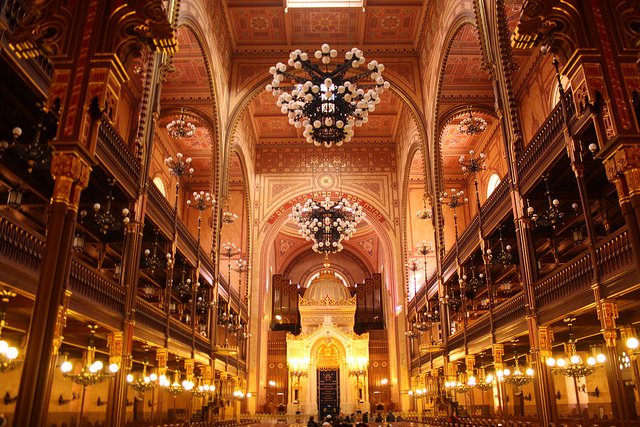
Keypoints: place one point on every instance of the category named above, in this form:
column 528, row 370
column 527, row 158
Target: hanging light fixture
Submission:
column 151, row 259
column 78, row 237
column 144, row 382
column 327, row 223
column 14, row 198
column 183, row 287
column 574, row 366
column 37, row 153
column 504, row 257
column 104, row 218
column 472, row 125
column 92, row 371
column 552, row 216
column 518, row 377
column 180, row 128
column 8, row 353
column 425, row 212
column 327, row 101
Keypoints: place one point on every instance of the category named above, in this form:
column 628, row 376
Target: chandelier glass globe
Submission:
column 327, row 223
column 326, row 100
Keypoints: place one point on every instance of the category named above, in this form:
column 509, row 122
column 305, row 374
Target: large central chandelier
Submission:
column 327, row 101
column 327, row 223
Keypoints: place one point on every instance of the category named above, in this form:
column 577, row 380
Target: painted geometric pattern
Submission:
column 305, row 158
column 391, row 25
column 323, row 25
column 264, row 25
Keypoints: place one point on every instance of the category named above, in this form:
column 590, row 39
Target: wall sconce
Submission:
column 558, row 395
column 577, row 235
column 14, row 198
column 101, row 402
column 594, row 393
column 62, row 401
column 8, row 399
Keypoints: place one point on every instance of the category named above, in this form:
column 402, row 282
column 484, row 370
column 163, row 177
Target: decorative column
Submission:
column 543, row 381
column 70, row 173
column 608, row 313
column 498, row 354
column 92, row 59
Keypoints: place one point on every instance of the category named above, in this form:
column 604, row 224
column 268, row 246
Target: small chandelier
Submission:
column 472, row 125
column 144, row 382
column 504, row 257
column 92, row 370
column 518, row 378
column 180, row 128
column 327, row 101
column 178, row 167
column 574, row 366
column 151, row 259
column 552, row 216
column 104, row 218
column 424, row 213
column 327, row 223
column 8, row 353
column 228, row 217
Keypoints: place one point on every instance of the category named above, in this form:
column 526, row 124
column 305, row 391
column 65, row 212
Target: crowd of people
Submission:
column 357, row 420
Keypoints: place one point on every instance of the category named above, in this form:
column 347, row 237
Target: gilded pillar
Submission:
column 608, row 313
column 70, row 174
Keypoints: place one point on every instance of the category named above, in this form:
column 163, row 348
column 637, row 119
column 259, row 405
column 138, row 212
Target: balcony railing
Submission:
column 114, row 153
column 96, row 287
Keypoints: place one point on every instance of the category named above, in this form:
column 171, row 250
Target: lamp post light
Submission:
column 298, row 368
column 358, row 368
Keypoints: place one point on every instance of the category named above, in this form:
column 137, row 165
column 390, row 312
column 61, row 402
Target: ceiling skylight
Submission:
column 324, row 3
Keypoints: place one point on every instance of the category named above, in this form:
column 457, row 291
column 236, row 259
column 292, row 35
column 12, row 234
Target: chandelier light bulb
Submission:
column 529, row 372
column 591, row 361
column 489, row 379
column 4, row 346
column 575, row 359
column 561, row 363
column 633, row 343
column 114, row 367
column 12, row 353
column 601, row 358
column 129, row 378
column 66, row 366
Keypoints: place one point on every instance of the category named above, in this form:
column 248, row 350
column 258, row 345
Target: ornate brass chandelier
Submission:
column 180, row 128
column 472, row 125
column 327, row 223
column 327, row 101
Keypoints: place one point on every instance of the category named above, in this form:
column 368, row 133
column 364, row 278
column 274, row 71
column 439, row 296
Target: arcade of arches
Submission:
column 150, row 270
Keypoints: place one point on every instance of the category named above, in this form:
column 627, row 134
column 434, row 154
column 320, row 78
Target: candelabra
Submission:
column 104, row 218
column 8, row 353
column 178, row 167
